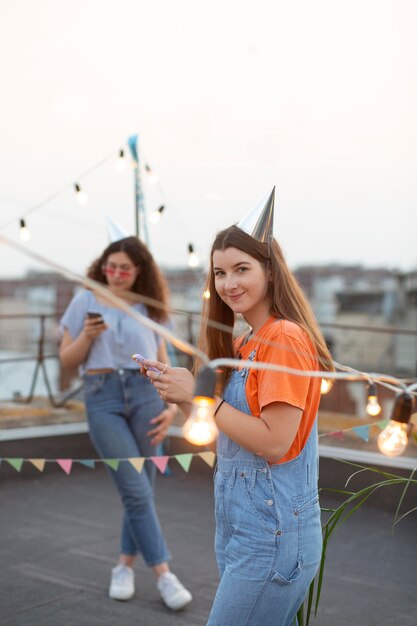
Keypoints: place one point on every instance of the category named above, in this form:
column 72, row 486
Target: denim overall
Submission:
column 268, row 531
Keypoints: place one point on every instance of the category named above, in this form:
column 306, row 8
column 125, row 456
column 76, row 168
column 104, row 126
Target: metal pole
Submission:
column 141, row 227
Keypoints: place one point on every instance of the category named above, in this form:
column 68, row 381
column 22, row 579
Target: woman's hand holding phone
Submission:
column 94, row 325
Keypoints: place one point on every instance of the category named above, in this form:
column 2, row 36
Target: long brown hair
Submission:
column 150, row 282
column 287, row 299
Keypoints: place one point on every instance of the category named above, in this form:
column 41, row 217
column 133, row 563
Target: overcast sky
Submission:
column 229, row 97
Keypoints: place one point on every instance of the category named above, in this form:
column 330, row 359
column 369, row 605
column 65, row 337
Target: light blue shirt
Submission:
column 124, row 336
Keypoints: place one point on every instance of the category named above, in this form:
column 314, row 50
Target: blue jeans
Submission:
column 119, row 407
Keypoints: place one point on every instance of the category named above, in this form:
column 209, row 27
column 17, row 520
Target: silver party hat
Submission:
column 259, row 222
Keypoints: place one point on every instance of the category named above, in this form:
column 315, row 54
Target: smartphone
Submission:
column 140, row 359
column 95, row 316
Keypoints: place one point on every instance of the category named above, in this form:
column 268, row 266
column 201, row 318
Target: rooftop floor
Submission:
column 59, row 540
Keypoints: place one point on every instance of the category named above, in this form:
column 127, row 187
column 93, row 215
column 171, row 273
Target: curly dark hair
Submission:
column 150, row 281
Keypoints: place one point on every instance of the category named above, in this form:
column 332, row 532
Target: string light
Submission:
column 152, row 177
column 326, row 385
column 80, row 194
column 200, row 428
column 121, row 161
column 24, row 231
column 373, row 407
column 393, row 440
column 193, row 260
column 155, row 216
column 206, row 294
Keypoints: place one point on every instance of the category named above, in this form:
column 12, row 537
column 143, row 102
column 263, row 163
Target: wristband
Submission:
column 218, row 407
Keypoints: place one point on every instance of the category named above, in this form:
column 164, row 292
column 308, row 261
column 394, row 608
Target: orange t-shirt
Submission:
column 284, row 343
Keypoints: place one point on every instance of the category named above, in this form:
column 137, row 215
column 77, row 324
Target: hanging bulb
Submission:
column 24, row 232
column 373, row 407
column 121, row 161
column 80, row 194
column 326, row 385
column 206, row 294
column 155, row 216
column 193, row 260
column 200, row 428
column 153, row 178
column 393, row 440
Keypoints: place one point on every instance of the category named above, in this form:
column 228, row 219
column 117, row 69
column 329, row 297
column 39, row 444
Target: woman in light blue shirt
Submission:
column 126, row 416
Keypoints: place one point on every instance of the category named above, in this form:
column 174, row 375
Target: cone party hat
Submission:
column 259, row 222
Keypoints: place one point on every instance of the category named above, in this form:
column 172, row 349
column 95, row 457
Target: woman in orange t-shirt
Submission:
column 268, row 532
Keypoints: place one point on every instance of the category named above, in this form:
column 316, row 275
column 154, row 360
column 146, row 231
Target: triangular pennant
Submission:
column 88, row 463
column 65, row 464
column 16, row 463
column 209, row 457
column 137, row 463
column 38, row 463
column 184, row 460
column 362, row 432
column 382, row 424
column 161, row 462
column 337, row 434
column 113, row 463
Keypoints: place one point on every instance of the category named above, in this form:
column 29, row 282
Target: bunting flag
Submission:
column 137, row 463
column 66, row 465
column 16, row 463
column 161, row 462
column 337, row 434
column 362, row 432
column 184, row 460
column 113, row 463
column 88, row 463
column 208, row 457
column 38, row 463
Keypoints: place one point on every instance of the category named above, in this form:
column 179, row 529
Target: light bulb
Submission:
column 326, row 385
column 373, row 407
column 206, row 294
column 393, row 440
column 121, row 161
column 24, row 231
column 80, row 194
column 193, row 260
column 155, row 216
column 200, row 428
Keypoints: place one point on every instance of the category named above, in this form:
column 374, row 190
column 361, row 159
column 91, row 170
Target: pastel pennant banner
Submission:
column 161, row 462
column 184, row 460
column 113, row 463
column 208, row 457
column 38, row 463
column 88, row 463
column 362, row 432
column 16, row 463
column 137, row 463
column 66, row 465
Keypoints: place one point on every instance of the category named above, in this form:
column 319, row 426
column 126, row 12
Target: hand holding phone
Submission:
column 140, row 360
column 94, row 324
column 95, row 316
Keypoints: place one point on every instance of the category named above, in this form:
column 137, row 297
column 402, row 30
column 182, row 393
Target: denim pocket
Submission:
column 260, row 495
column 93, row 384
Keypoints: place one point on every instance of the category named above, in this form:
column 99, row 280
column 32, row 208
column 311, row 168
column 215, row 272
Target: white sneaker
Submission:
column 173, row 593
column 122, row 584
